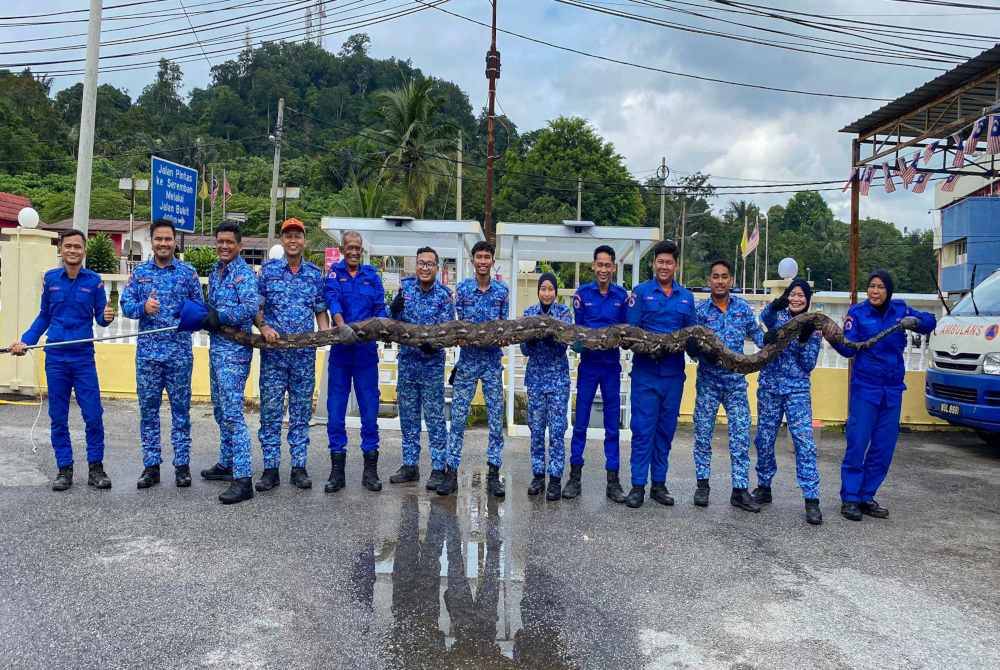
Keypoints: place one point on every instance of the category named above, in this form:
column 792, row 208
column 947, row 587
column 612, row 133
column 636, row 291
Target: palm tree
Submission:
column 417, row 143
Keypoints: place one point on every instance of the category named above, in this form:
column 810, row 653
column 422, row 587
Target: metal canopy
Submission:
column 402, row 237
column 565, row 243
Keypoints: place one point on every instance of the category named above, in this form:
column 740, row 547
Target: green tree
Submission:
column 202, row 259
column 101, row 254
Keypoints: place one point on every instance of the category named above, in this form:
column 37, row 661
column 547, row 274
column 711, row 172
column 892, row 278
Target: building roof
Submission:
column 97, row 225
column 10, row 205
column 938, row 87
column 209, row 241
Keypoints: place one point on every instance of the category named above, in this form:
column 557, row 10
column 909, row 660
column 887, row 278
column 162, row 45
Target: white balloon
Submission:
column 277, row 251
column 788, row 268
column 27, row 217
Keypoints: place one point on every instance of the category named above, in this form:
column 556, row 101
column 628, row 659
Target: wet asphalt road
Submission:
column 403, row 578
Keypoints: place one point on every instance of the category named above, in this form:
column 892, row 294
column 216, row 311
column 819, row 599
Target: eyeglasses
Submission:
column 426, row 265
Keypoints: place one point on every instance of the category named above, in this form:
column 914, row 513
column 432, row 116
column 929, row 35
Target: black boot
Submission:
column 300, row 478
column 701, row 493
column 449, row 483
column 636, row 497
column 150, row 476
column 762, row 495
column 614, row 491
column 369, row 477
column 97, row 477
column 850, row 511
column 555, row 489
column 182, row 476
column 874, row 509
column 813, row 516
column 493, row 484
column 573, row 486
column 434, row 481
column 218, row 473
column 337, row 480
column 742, row 499
column 659, row 493
column 406, row 473
column 269, row 480
column 537, row 485
column 241, row 489
column 64, row 479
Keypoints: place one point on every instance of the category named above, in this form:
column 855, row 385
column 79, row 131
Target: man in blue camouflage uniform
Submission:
column 733, row 320
column 291, row 290
column 420, row 378
column 547, row 379
column 154, row 295
column 597, row 305
column 659, row 305
column 72, row 300
column 353, row 292
column 232, row 301
column 478, row 300
column 783, row 390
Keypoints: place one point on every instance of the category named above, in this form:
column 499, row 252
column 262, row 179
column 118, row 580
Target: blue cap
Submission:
column 192, row 315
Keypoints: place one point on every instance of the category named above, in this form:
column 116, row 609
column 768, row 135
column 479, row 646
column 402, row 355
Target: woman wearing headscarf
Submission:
column 876, row 394
column 783, row 389
column 547, row 380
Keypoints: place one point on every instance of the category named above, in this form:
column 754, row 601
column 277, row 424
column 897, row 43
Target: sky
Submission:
column 732, row 133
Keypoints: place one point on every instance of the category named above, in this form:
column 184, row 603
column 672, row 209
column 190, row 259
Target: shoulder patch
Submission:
column 576, row 301
column 631, row 299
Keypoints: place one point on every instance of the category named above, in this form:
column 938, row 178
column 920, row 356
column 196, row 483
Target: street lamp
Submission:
column 831, row 283
column 808, row 274
column 131, row 185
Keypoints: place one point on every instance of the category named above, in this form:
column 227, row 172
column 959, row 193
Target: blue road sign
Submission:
column 173, row 193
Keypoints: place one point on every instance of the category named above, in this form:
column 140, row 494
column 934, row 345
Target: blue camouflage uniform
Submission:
column 547, row 379
column 598, row 369
column 657, row 382
column 68, row 310
column 232, row 292
column 291, row 301
column 420, row 380
column 479, row 363
column 716, row 385
column 355, row 298
column 783, row 390
column 876, row 396
column 162, row 360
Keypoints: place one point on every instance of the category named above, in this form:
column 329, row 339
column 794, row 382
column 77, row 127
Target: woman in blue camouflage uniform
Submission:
column 783, row 390
column 547, row 380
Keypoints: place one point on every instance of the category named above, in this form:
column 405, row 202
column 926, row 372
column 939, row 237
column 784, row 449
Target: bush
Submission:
column 203, row 259
column 101, row 256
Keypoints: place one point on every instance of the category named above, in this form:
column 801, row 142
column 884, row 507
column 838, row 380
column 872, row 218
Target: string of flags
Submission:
column 906, row 168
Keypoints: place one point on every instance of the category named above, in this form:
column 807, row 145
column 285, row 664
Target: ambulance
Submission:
column 963, row 377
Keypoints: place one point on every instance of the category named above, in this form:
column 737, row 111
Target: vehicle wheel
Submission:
column 992, row 439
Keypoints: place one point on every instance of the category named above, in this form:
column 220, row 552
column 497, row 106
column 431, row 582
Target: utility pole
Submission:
column 855, row 229
column 767, row 228
column 458, row 188
column 88, row 113
column 579, row 198
column 492, row 74
column 684, row 220
column 662, row 173
column 274, row 173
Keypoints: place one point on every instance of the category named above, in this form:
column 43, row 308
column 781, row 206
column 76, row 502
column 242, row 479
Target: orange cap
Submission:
column 292, row 224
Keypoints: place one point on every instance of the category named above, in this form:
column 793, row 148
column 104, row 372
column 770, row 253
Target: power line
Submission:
column 195, row 33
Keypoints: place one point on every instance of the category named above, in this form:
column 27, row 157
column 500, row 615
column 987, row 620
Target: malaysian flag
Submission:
column 920, row 183
column 753, row 240
column 227, row 193
column 931, row 149
column 850, row 180
column 866, row 181
column 904, row 170
column 993, row 141
column 949, row 183
column 890, row 187
column 956, row 142
column 972, row 142
column 215, row 189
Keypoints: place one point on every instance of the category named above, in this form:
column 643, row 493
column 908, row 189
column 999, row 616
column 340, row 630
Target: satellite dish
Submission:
column 788, row 268
column 276, row 252
column 27, row 217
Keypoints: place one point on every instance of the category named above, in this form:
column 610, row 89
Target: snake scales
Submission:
column 516, row 331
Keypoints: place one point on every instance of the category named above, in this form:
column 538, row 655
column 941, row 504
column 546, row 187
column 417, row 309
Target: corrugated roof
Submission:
column 97, row 225
column 942, row 85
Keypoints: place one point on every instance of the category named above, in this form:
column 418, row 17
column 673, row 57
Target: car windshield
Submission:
column 987, row 299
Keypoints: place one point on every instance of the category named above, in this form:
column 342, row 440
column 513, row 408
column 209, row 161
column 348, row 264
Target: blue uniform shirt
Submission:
column 68, row 311
column 355, row 298
column 548, row 367
column 733, row 327
column 593, row 310
column 425, row 308
column 650, row 308
column 790, row 371
column 232, row 292
column 291, row 299
column 173, row 284
column 477, row 306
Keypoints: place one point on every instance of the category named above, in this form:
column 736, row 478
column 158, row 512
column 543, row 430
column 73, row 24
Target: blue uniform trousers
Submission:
column 588, row 378
column 656, row 401
column 229, row 381
column 152, row 378
column 871, row 432
column 467, row 375
column 547, row 410
column 79, row 375
column 292, row 372
column 364, row 375
column 420, row 390
column 733, row 397
column 797, row 407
